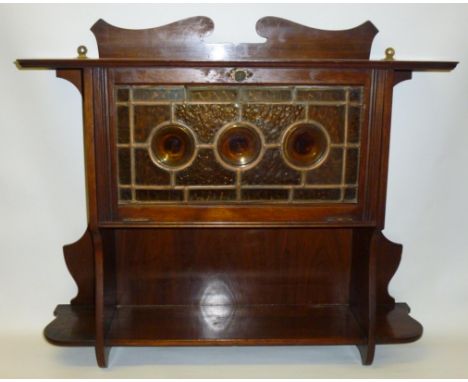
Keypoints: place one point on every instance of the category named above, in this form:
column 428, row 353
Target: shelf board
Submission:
column 229, row 325
column 62, row 63
column 234, row 325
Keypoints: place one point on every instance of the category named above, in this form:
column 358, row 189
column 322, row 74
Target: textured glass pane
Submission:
column 272, row 119
column 266, row 94
column 352, row 162
column 146, row 172
column 212, row 94
column 355, row 94
column 125, row 194
column 332, row 194
column 205, row 170
column 212, row 195
column 123, row 127
column 271, row 170
column 330, row 117
column 124, row 166
column 147, row 118
column 329, row 172
column 265, row 194
column 350, row 194
column 159, row 93
column 159, row 195
column 206, row 120
column 354, row 124
column 122, row 95
column 318, row 94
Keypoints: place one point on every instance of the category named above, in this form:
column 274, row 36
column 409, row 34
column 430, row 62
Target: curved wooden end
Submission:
column 191, row 28
column 72, row 326
column 401, row 75
column 354, row 43
column 72, row 75
column 115, row 42
column 80, row 263
column 394, row 325
column 388, row 260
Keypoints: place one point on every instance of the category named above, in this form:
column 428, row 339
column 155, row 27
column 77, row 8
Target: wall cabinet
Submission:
column 236, row 192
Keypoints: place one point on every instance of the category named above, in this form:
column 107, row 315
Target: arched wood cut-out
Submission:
column 72, row 75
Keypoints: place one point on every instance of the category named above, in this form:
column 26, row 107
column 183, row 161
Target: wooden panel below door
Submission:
column 232, row 266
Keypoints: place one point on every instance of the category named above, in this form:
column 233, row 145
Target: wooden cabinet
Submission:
column 236, row 192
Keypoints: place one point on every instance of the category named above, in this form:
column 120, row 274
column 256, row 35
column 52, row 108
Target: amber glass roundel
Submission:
column 305, row 145
column 173, row 146
column 239, row 145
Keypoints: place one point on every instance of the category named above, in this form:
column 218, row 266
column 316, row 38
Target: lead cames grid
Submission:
column 238, row 144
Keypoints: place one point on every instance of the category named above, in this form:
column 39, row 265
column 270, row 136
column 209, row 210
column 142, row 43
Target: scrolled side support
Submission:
column 388, row 260
column 79, row 259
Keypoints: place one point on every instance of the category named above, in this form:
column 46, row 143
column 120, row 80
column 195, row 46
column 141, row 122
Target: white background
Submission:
column 42, row 194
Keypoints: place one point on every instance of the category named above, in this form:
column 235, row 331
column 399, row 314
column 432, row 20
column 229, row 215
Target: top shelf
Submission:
column 331, row 64
column 287, row 45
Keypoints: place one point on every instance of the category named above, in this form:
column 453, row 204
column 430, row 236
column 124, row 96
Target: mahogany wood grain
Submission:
column 75, row 76
column 395, row 326
column 100, row 312
column 74, row 325
column 388, row 260
column 284, row 39
column 361, row 287
column 272, row 274
column 79, row 258
column 90, row 149
column 93, row 207
column 234, row 325
column 62, row 63
column 199, row 266
column 263, row 76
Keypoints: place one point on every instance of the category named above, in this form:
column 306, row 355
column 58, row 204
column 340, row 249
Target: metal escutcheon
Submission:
column 240, row 75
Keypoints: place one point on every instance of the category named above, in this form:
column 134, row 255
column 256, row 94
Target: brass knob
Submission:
column 389, row 53
column 82, row 50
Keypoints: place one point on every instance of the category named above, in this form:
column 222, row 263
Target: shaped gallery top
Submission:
column 181, row 43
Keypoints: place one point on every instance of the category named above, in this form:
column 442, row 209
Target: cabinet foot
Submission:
column 102, row 356
column 367, row 354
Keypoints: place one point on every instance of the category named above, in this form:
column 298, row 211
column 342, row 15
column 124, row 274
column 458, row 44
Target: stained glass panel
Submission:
column 269, row 112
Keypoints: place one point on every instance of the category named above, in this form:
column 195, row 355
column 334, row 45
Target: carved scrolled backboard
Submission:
column 284, row 40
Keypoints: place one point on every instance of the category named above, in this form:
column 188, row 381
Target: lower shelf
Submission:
column 229, row 325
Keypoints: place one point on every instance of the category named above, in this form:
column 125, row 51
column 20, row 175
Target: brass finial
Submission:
column 389, row 53
column 82, row 50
